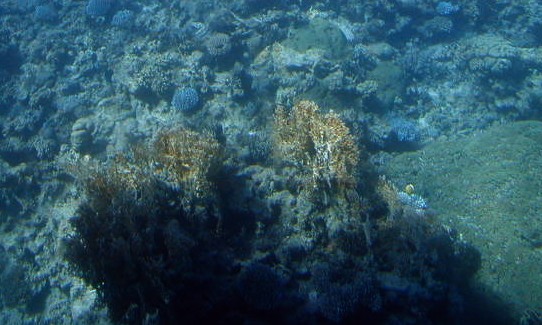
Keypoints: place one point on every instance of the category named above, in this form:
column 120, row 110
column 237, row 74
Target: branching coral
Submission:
column 179, row 160
column 319, row 144
column 186, row 158
column 388, row 192
column 124, row 180
column 135, row 231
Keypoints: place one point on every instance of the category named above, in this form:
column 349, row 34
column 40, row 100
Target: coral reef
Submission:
column 187, row 159
column 123, row 19
column 218, row 45
column 319, row 145
column 185, row 99
column 139, row 228
column 287, row 195
column 98, row 7
column 161, row 229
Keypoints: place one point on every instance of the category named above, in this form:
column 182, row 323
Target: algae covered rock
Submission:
column 319, row 34
column 391, row 84
column 489, row 187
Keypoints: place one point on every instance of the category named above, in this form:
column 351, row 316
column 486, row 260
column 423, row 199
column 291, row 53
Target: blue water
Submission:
column 203, row 161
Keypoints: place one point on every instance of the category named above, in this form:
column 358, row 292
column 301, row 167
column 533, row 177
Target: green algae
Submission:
column 319, row 34
column 489, row 187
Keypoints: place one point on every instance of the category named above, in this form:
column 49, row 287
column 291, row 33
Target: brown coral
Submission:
column 182, row 159
column 185, row 157
column 107, row 186
column 388, row 192
column 319, row 144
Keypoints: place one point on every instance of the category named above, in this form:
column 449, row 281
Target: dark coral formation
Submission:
column 139, row 237
column 163, row 235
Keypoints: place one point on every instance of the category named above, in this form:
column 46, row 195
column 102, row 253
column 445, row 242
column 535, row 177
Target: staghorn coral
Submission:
column 319, row 144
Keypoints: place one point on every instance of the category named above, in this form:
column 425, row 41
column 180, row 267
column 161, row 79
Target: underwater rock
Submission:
column 218, row 45
column 446, row 8
column 123, row 19
column 81, row 137
column 491, row 54
column 391, row 83
column 45, row 13
column 485, row 186
column 322, row 35
column 98, row 7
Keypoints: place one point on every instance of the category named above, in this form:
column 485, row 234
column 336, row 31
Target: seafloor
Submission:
column 250, row 161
